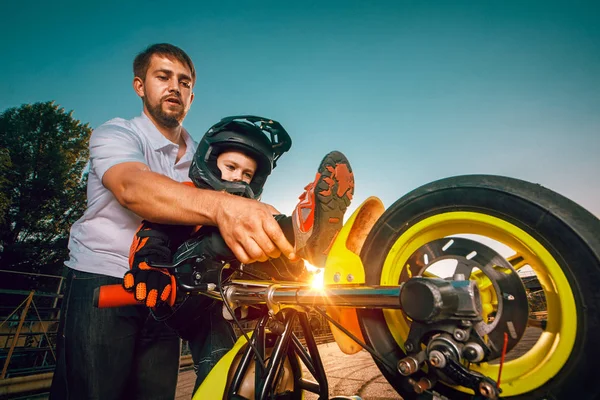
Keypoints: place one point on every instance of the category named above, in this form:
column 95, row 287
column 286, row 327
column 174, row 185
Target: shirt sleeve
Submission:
column 114, row 143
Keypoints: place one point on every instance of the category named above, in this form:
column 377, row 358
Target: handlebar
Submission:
column 113, row 296
column 109, row 296
column 249, row 292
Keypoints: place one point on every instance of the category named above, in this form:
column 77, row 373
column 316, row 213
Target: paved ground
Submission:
column 185, row 385
column 347, row 375
column 355, row 374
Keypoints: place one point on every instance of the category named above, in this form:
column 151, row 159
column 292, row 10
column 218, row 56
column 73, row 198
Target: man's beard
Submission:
column 168, row 120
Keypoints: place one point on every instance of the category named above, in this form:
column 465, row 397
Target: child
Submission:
column 237, row 155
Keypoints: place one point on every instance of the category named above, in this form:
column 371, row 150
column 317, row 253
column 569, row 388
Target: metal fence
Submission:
column 28, row 325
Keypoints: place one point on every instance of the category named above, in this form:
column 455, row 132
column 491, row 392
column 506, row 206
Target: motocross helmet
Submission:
column 265, row 140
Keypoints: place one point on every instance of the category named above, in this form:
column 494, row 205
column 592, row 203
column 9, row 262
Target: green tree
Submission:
column 43, row 155
column 5, row 165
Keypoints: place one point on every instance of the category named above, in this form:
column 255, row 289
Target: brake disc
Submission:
column 513, row 309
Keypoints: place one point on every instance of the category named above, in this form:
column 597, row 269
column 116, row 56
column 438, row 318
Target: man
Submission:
column 135, row 169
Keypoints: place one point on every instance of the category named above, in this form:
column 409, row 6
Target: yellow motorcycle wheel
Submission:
column 558, row 239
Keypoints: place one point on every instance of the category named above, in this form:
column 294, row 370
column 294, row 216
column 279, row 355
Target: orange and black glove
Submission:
column 150, row 285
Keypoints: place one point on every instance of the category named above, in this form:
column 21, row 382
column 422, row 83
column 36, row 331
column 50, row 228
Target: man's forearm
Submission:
column 158, row 198
column 247, row 226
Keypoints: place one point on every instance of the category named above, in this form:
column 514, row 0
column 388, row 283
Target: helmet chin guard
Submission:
column 263, row 139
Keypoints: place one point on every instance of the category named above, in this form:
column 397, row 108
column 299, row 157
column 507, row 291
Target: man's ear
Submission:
column 138, row 86
column 192, row 99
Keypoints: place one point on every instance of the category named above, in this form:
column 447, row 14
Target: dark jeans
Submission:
column 114, row 353
column 212, row 338
column 199, row 320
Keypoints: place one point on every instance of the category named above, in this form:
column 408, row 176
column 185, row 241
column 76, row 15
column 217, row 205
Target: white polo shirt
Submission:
column 101, row 238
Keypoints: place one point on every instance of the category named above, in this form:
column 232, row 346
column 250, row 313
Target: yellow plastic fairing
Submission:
column 344, row 267
column 213, row 386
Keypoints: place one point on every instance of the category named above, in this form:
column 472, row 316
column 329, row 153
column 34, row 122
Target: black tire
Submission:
column 566, row 230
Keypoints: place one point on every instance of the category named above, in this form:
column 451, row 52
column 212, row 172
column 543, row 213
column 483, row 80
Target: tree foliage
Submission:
column 43, row 154
column 5, row 164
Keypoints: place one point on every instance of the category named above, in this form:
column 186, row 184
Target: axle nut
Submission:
column 437, row 359
column 408, row 366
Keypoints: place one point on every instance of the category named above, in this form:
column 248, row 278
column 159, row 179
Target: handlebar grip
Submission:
column 108, row 296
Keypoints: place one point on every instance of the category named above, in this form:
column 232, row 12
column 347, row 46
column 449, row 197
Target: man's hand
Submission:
column 250, row 230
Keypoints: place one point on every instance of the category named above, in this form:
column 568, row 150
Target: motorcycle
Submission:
column 441, row 289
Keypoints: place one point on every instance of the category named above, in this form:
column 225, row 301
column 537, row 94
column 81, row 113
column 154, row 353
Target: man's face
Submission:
column 166, row 90
column 236, row 166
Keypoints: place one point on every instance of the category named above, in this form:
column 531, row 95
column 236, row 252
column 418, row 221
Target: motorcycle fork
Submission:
column 286, row 344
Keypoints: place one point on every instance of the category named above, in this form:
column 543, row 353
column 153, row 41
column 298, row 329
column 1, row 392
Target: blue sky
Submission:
column 411, row 91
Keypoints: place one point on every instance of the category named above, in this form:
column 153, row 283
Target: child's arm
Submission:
column 153, row 244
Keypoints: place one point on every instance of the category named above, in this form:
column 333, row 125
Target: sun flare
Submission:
column 317, row 281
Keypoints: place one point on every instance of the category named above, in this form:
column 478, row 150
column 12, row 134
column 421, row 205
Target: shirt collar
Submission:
column 190, row 146
column 157, row 140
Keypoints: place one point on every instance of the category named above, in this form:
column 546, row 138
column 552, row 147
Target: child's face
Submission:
column 236, row 166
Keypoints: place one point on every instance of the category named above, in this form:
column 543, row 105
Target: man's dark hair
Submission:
column 142, row 60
